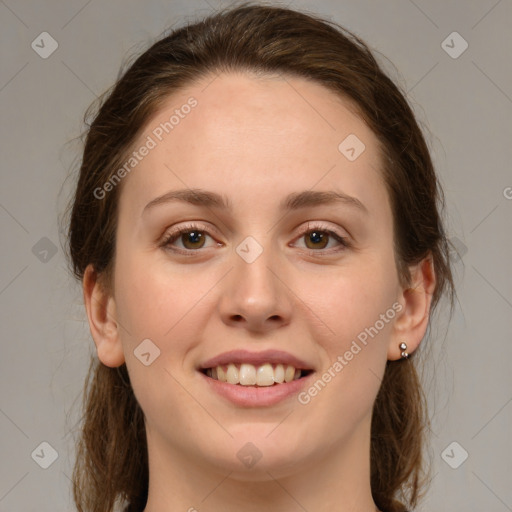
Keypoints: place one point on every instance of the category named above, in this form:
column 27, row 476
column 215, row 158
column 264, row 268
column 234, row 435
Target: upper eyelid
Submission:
column 192, row 225
column 311, row 224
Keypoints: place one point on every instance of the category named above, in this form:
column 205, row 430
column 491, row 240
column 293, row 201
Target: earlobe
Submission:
column 411, row 324
column 101, row 313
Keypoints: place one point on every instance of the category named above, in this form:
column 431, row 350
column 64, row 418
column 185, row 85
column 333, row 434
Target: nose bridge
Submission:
column 253, row 262
column 253, row 291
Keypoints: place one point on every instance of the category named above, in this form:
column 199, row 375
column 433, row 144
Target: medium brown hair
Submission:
column 111, row 461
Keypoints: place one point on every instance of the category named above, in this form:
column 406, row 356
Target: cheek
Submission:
column 351, row 302
column 151, row 298
column 154, row 304
column 358, row 309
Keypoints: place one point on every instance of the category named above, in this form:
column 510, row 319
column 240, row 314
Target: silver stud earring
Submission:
column 403, row 348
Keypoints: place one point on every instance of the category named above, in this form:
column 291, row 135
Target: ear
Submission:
column 101, row 312
column 411, row 323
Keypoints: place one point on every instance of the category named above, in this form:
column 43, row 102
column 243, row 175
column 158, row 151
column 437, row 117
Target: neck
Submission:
column 336, row 480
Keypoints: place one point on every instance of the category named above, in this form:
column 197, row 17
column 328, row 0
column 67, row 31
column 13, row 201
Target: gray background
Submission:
column 465, row 106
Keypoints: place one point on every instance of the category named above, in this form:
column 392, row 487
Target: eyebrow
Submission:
column 294, row 201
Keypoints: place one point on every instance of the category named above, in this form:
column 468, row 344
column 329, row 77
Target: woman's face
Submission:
column 263, row 275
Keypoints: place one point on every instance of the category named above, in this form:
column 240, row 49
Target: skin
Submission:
column 255, row 140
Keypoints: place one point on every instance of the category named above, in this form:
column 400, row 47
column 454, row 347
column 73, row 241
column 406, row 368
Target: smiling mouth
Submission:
column 264, row 375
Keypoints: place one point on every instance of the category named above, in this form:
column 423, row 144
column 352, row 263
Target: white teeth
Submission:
column 221, row 374
column 232, row 374
column 247, row 374
column 289, row 373
column 279, row 374
column 265, row 375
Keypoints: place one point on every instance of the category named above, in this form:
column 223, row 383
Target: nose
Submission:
column 255, row 295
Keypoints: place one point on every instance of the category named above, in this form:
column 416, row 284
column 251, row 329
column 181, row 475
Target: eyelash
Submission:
column 174, row 235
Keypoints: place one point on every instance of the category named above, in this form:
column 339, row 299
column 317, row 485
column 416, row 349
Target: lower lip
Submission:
column 257, row 396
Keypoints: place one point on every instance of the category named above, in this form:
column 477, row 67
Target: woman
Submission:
column 257, row 229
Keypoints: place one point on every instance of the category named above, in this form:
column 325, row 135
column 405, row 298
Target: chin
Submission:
column 253, row 458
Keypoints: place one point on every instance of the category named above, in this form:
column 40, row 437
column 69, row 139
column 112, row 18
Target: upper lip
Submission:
column 256, row 358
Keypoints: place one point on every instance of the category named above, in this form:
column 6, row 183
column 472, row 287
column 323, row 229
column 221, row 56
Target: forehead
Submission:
column 254, row 137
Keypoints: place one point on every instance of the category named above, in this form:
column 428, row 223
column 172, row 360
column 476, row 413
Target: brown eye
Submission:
column 317, row 239
column 192, row 239
column 188, row 239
